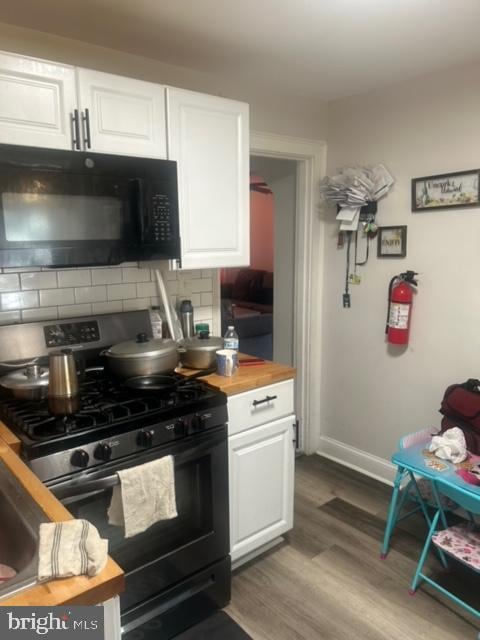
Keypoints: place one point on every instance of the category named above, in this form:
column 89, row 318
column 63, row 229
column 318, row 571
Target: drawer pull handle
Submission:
column 266, row 399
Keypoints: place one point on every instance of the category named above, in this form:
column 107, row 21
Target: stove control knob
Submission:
column 198, row 422
column 180, row 428
column 103, row 451
column 79, row 458
column 145, row 439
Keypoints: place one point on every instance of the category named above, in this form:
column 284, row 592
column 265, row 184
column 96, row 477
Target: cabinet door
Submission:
column 261, row 485
column 125, row 116
column 37, row 102
column 209, row 138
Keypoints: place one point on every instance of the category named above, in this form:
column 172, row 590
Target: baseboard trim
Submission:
column 362, row 461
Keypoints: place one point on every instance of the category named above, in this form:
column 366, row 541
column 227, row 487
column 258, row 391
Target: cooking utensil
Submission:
column 161, row 383
column 199, row 352
column 63, row 387
column 30, row 383
column 143, row 356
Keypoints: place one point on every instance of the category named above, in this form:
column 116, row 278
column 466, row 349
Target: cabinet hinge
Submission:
column 296, row 434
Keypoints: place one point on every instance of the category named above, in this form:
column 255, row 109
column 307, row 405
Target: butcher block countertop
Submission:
column 80, row 590
column 247, row 377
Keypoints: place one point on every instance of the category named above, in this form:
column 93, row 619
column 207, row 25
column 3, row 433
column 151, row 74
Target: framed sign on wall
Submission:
column 392, row 242
column 446, row 191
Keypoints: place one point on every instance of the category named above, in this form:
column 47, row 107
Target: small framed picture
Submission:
column 392, row 242
column 446, row 191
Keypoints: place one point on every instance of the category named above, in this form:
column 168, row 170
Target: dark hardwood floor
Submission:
column 327, row 579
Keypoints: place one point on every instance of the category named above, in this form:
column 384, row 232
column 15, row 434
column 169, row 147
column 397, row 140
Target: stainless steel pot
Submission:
column 30, row 383
column 142, row 357
column 199, row 352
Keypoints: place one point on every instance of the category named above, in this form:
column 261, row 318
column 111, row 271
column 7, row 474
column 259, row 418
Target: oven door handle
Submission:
column 66, row 491
column 85, row 488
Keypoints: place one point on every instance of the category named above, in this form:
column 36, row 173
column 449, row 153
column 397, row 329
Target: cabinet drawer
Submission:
column 253, row 408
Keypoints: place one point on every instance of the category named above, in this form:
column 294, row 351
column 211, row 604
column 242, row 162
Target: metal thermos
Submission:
column 63, row 388
column 186, row 318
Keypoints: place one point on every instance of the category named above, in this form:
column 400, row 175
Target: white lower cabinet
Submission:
column 262, row 461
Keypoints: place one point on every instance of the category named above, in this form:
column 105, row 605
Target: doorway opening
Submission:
column 259, row 300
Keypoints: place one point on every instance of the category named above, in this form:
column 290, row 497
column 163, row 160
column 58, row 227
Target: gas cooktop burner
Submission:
column 105, row 401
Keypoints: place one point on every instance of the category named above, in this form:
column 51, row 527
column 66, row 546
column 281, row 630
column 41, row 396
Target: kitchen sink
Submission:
column 20, row 519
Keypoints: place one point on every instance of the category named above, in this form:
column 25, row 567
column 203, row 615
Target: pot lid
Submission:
column 203, row 342
column 28, row 378
column 142, row 347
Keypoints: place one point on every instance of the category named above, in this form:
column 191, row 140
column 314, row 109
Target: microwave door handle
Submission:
column 94, row 486
column 140, row 207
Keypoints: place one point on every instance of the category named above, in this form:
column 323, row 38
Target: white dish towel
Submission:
column 145, row 495
column 71, row 548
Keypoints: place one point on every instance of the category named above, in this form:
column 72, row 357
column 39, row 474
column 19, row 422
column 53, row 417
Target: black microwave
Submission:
column 70, row 208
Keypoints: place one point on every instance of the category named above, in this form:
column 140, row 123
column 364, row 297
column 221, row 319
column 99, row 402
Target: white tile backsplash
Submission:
column 41, row 313
column 74, row 278
column 107, row 276
column 34, row 294
column 9, row 282
column 91, row 294
column 74, row 310
column 136, row 275
column 147, row 289
column 39, row 280
column 121, row 291
column 136, row 303
column 55, row 297
column 201, row 285
column 9, row 317
column 107, row 307
column 18, row 300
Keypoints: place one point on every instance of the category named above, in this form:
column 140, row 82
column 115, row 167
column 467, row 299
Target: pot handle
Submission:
column 181, row 349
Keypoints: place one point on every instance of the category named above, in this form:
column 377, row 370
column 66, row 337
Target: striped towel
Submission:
column 71, row 548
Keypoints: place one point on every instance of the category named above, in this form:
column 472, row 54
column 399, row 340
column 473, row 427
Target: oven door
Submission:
column 171, row 550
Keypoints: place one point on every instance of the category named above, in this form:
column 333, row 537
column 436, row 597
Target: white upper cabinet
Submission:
column 209, row 138
column 121, row 115
column 37, row 102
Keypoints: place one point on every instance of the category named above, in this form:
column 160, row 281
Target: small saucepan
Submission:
column 30, row 384
column 199, row 352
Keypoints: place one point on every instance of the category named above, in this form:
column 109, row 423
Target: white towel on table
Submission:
column 145, row 495
column 450, row 445
column 71, row 548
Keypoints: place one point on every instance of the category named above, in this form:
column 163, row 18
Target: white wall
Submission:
column 370, row 397
column 279, row 113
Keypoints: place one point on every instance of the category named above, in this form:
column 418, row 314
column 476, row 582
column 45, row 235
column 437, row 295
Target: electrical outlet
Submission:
column 346, row 301
column 355, row 278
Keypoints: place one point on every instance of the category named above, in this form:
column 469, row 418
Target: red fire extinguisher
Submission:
column 400, row 300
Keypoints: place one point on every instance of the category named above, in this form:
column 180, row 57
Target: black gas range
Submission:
column 113, row 422
column 178, row 570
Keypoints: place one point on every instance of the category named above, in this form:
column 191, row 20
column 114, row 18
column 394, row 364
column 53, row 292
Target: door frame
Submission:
column 311, row 157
